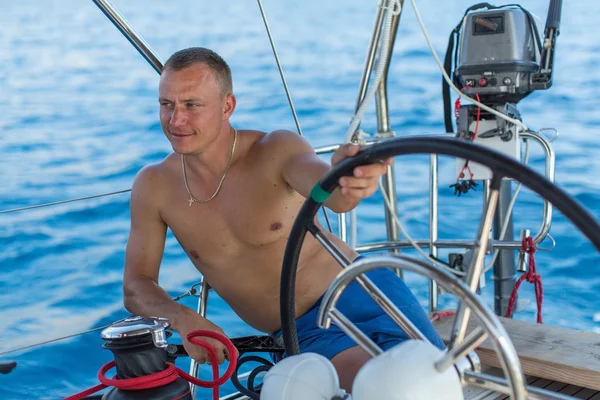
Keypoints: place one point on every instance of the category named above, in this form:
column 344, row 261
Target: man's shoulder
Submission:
column 154, row 175
column 279, row 137
column 280, row 142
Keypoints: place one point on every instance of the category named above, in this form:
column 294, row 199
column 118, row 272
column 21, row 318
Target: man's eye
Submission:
column 192, row 105
column 163, row 104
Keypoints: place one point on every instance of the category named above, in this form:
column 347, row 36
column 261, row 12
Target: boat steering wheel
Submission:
column 460, row 343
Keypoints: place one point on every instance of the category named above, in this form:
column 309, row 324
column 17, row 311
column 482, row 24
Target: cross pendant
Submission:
column 190, row 201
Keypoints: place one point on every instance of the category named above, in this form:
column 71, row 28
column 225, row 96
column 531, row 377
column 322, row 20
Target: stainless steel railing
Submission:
column 130, row 34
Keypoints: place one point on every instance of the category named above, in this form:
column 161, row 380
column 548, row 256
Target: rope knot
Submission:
column 528, row 245
column 530, row 276
column 533, row 278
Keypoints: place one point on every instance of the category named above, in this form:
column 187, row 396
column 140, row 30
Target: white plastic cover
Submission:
column 307, row 376
column 407, row 372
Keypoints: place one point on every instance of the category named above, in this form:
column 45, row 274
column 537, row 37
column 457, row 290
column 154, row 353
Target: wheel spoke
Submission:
column 344, row 279
column 335, row 251
column 471, row 342
column 497, row 384
column 463, row 314
column 390, row 309
column 356, row 334
column 369, row 287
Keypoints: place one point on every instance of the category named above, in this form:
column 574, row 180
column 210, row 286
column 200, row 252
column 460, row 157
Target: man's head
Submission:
column 196, row 100
column 185, row 58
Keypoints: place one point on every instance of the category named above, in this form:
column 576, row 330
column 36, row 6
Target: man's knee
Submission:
column 348, row 363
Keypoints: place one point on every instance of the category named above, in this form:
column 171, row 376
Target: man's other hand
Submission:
column 195, row 322
column 363, row 182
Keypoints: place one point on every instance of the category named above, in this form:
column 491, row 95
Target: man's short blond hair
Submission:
column 200, row 55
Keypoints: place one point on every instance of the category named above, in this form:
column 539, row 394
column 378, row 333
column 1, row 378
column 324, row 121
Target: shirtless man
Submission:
column 231, row 197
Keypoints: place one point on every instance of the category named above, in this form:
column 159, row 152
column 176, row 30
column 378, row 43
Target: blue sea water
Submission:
column 79, row 117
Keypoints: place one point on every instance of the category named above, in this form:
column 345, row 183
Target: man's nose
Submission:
column 178, row 117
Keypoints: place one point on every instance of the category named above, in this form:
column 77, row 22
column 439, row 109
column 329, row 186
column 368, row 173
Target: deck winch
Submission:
column 145, row 362
column 140, row 348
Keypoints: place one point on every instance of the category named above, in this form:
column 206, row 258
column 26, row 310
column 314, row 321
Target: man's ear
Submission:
column 229, row 103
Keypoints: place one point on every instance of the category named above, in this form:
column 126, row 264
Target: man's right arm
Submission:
column 141, row 293
column 145, row 247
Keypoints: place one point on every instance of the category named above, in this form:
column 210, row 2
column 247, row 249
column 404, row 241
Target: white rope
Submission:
column 392, row 8
column 411, row 241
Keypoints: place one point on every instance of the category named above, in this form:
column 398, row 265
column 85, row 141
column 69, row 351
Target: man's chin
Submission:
column 181, row 151
column 179, row 148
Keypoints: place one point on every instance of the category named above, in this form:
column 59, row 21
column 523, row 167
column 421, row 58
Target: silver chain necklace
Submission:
column 192, row 198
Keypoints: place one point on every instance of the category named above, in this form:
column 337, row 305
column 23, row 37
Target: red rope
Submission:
column 171, row 373
column 457, row 107
column 532, row 277
column 441, row 314
column 461, row 173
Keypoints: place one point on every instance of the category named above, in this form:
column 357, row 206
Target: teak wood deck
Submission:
column 558, row 359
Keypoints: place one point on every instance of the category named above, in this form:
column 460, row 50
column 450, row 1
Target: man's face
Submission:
column 192, row 108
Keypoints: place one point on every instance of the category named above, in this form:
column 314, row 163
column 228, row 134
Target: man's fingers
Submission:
column 207, row 359
column 357, row 183
column 352, row 149
column 371, row 170
column 220, row 350
column 359, row 193
column 363, row 182
column 344, row 151
column 202, row 355
column 228, row 357
column 221, row 355
column 199, row 359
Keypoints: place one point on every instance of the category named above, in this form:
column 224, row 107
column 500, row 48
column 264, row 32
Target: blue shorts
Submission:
column 359, row 308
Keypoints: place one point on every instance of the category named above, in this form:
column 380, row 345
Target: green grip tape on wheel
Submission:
column 319, row 194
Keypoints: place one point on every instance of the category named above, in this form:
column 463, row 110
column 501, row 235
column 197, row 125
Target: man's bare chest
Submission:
column 249, row 213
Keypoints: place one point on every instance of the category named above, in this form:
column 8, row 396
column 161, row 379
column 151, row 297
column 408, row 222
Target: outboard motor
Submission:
column 496, row 56
column 501, row 58
column 140, row 348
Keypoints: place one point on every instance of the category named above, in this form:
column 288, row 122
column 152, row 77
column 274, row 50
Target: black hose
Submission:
column 250, row 391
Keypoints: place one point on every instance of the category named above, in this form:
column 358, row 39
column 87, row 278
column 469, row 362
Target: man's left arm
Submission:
column 302, row 168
